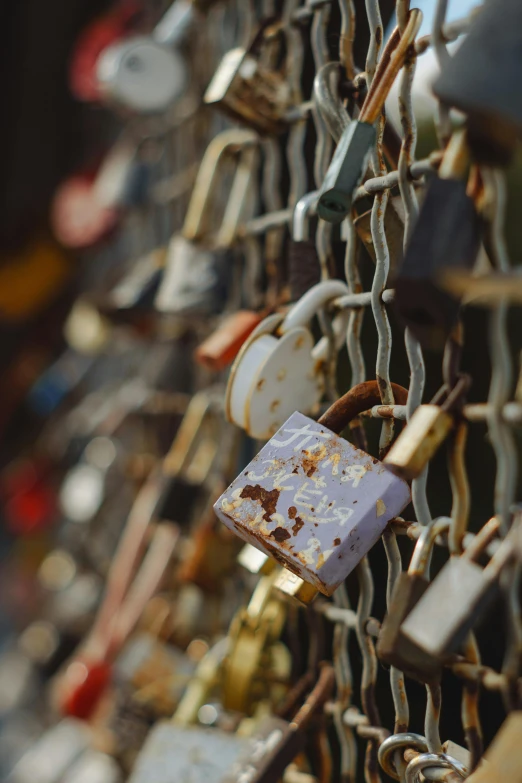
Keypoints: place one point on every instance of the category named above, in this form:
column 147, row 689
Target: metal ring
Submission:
column 427, row 760
column 397, row 742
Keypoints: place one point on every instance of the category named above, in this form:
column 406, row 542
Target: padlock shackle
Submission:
column 389, row 65
column 302, row 312
column 328, row 101
column 227, row 141
column 456, row 158
column 176, row 23
column 420, row 561
column 359, row 399
column 306, row 206
column 430, row 761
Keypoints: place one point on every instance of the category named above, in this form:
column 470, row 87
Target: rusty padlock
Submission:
column 455, row 601
column 393, row 648
column 248, row 89
column 313, row 501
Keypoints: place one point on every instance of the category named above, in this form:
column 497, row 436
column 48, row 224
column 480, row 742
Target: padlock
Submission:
column 304, row 270
column 192, row 753
column 352, row 154
column 393, row 648
column 446, row 236
column 257, row 665
column 488, row 97
column 307, row 479
column 53, row 754
column 455, row 601
column 278, row 369
column 146, row 74
column 222, row 346
column 425, row 432
column 248, row 90
column 198, row 266
column 503, row 759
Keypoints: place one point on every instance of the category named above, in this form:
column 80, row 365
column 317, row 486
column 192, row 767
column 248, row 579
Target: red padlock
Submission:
column 221, row 347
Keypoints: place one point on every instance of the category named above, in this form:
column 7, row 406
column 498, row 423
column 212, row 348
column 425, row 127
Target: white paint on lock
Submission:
column 273, row 376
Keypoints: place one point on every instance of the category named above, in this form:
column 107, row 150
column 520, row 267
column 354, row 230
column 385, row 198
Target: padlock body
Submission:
column 426, row 430
column 192, row 753
column 346, row 171
column 313, row 502
column 446, row 236
column 503, row 759
column 245, row 91
column 393, row 647
column 222, row 346
column 454, row 603
column 141, row 75
column 483, row 75
column 195, row 281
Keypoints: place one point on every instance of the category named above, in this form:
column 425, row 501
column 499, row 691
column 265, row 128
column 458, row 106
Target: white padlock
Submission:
column 141, row 74
column 279, row 369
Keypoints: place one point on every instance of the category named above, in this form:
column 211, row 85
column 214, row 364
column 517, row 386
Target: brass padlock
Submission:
column 425, row 432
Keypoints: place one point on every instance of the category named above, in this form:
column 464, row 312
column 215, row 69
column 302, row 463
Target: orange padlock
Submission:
column 221, row 348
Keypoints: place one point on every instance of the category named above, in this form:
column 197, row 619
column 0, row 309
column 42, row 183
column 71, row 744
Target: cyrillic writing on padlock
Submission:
column 313, row 501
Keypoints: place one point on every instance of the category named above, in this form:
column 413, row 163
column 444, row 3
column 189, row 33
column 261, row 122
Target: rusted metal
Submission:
column 359, row 399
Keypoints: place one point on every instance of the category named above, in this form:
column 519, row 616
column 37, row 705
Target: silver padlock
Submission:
column 313, row 501
column 279, row 369
column 146, row 73
column 195, row 277
column 187, row 753
column 456, row 599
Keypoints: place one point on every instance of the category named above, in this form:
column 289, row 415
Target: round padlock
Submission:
column 78, row 218
column 100, row 33
column 279, row 369
column 141, row 75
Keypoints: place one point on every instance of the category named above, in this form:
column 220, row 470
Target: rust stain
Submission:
column 260, row 384
column 274, row 405
column 292, row 512
column 280, row 534
column 337, row 541
column 281, row 375
column 267, row 498
column 298, row 343
column 308, row 464
column 296, row 527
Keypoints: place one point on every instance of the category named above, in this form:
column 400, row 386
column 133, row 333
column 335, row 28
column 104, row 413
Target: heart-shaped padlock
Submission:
column 279, row 369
